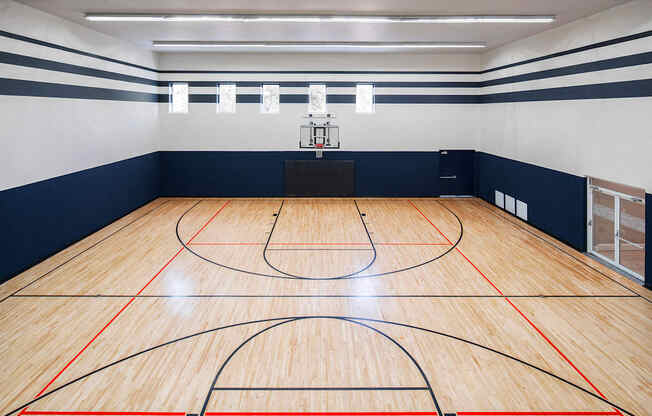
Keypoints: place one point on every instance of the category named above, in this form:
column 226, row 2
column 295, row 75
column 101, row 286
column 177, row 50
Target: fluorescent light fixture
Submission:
column 299, row 18
column 377, row 45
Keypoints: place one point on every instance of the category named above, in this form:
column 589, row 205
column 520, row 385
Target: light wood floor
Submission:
column 391, row 306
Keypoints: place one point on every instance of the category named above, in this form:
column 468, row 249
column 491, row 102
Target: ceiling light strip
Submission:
column 386, row 45
column 291, row 18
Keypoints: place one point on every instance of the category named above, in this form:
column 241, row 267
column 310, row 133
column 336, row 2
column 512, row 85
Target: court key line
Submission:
column 23, row 412
column 207, row 243
column 518, row 310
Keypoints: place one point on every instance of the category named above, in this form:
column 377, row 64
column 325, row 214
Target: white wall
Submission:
column 48, row 137
column 408, row 127
column 606, row 138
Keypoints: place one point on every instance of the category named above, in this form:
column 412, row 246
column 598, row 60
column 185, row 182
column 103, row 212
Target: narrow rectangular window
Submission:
column 364, row 98
column 317, row 99
column 226, row 98
column 178, row 97
column 271, row 99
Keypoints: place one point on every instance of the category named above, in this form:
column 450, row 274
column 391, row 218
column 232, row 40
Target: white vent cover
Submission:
column 521, row 210
column 510, row 204
column 500, row 199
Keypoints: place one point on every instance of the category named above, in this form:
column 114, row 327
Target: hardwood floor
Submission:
column 190, row 306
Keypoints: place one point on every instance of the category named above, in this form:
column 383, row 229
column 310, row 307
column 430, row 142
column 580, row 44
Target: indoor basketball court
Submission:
column 226, row 209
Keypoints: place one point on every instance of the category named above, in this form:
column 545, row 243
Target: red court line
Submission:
column 535, row 413
column 617, row 412
column 123, row 308
column 107, row 413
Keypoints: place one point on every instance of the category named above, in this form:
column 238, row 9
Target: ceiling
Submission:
column 493, row 34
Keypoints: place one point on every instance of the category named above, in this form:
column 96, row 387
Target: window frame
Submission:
column 262, row 99
column 373, row 98
column 218, row 108
column 310, row 86
column 171, row 109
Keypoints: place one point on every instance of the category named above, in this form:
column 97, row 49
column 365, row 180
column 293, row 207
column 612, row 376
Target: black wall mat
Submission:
column 43, row 218
column 317, row 178
column 648, row 241
column 261, row 174
column 556, row 200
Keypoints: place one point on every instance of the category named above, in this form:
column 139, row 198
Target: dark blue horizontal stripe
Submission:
column 67, row 49
column 47, row 89
column 527, row 61
column 623, row 89
column 612, row 63
column 31, row 62
column 572, row 51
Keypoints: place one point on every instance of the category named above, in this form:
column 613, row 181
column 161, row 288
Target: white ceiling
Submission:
column 143, row 33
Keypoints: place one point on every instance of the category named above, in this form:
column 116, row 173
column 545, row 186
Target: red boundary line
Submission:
column 22, row 412
column 617, row 412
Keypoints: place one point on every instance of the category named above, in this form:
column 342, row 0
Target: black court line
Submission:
column 414, row 361
column 550, row 243
column 319, row 388
column 329, row 296
column 319, row 249
column 292, row 318
column 450, row 249
column 269, row 238
column 84, row 251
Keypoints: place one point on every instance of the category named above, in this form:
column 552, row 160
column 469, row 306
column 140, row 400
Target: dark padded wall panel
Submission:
column 648, row 240
column 42, row 218
column 556, row 200
column 320, row 178
column 244, row 174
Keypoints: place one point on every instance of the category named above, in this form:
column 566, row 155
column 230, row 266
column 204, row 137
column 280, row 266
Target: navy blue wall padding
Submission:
column 648, row 241
column 244, row 174
column 556, row 200
column 42, row 218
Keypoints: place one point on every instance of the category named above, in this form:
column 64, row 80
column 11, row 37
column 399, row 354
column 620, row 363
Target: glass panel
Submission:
column 271, row 99
column 603, row 224
column 317, row 99
column 179, row 96
column 632, row 236
column 364, row 98
column 226, row 98
column 618, row 187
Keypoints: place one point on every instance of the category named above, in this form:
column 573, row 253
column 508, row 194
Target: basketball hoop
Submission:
column 320, row 134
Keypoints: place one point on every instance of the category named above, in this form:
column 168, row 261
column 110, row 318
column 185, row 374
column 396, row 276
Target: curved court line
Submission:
column 414, row 361
column 352, row 318
column 269, row 238
column 453, row 246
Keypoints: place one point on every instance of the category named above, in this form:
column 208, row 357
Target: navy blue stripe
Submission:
column 620, row 62
column 31, row 62
column 527, row 61
column 624, row 89
column 19, row 87
column 572, row 51
column 612, row 63
column 67, row 49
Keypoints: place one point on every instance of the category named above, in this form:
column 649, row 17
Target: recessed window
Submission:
column 226, row 98
column 364, row 98
column 317, row 98
column 271, row 99
column 178, row 97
